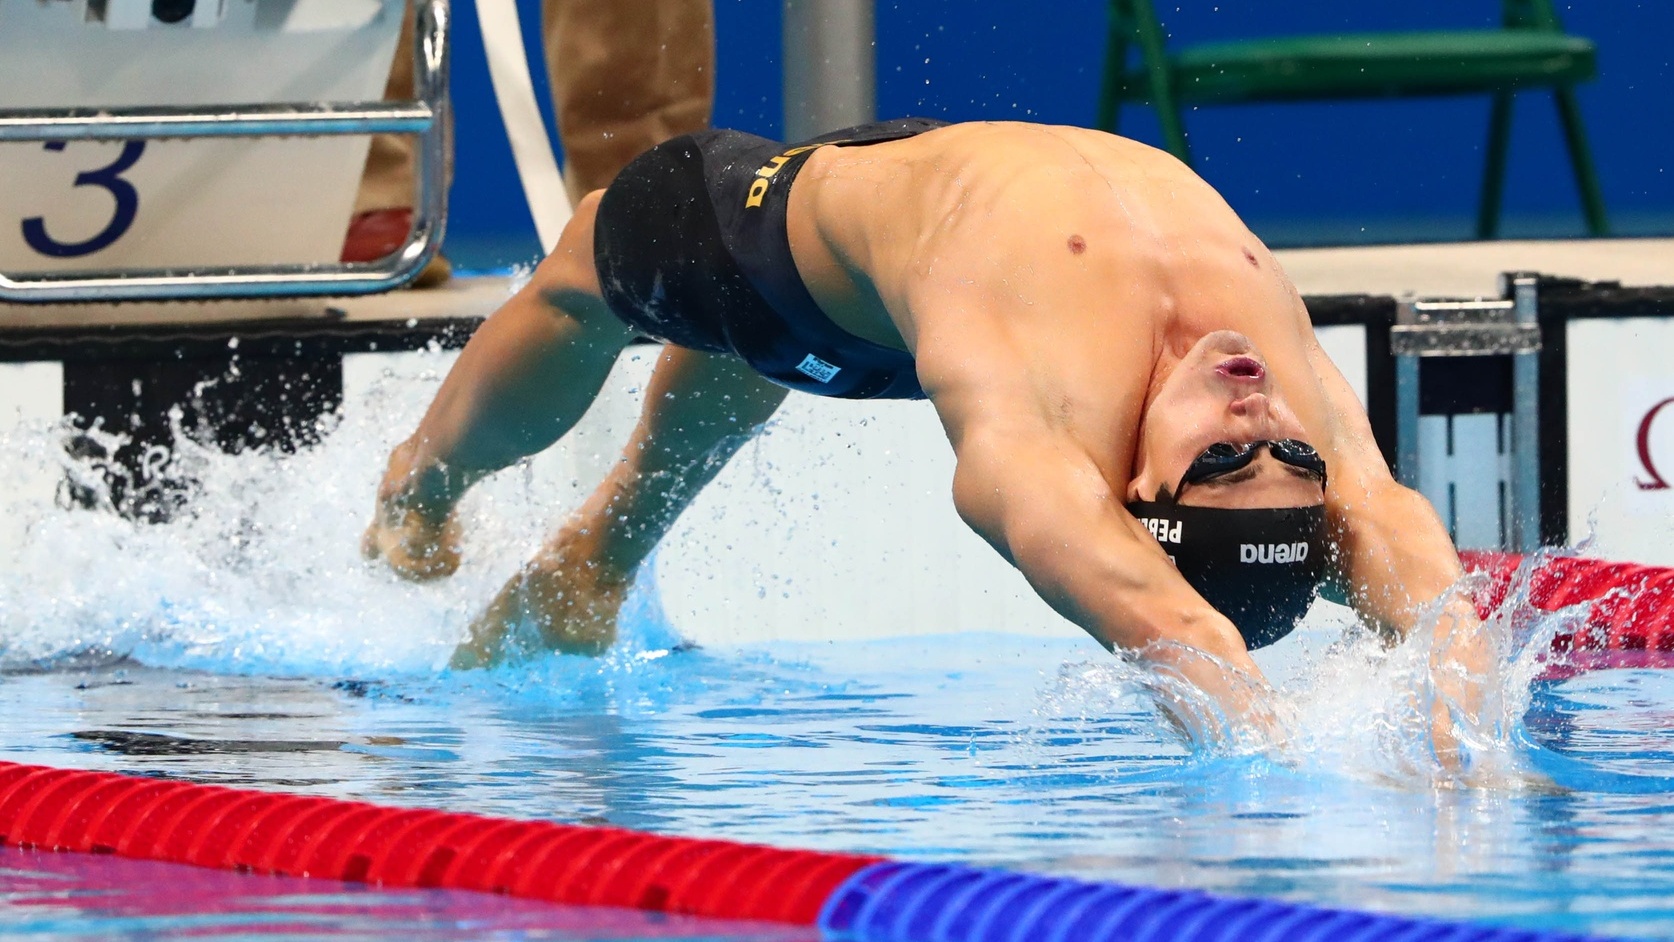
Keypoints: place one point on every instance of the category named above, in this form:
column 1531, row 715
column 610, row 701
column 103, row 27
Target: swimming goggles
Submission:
column 1227, row 457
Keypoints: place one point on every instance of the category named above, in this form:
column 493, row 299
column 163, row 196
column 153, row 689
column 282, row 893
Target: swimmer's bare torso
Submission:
column 1049, row 280
column 1081, row 265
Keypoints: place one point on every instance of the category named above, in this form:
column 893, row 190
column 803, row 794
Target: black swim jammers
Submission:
column 691, row 249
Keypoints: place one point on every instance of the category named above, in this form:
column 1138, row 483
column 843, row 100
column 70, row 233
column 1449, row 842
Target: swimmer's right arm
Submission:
column 1037, row 497
column 1400, row 564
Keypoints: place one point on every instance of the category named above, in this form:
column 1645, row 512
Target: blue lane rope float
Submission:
column 909, row 902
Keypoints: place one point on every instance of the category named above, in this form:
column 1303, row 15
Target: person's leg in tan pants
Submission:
column 626, row 75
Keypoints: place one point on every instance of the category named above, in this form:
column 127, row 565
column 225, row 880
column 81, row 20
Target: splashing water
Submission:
column 246, row 642
column 263, row 576
column 262, row 573
column 1362, row 707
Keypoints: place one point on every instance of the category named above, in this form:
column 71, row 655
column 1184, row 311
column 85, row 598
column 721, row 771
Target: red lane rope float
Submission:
column 1628, row 623
column 293, row 835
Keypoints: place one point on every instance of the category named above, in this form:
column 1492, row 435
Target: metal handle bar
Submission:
column 427, row 117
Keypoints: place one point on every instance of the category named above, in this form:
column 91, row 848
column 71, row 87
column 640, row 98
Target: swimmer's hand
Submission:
column 413, row 531
column 571, row 604
column 1461, row 663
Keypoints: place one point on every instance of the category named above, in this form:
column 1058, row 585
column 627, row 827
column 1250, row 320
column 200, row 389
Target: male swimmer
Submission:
column 1143, row 420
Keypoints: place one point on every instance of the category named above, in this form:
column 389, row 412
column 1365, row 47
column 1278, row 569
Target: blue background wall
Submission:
column 1299, row 173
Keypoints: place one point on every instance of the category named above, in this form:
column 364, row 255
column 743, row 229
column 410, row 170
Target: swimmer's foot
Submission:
column 413, row 528
column 573, row 606
column 414, row 547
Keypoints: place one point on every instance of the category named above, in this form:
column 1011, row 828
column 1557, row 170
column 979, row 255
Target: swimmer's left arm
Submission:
column 1392, row 551
column 1398, row 562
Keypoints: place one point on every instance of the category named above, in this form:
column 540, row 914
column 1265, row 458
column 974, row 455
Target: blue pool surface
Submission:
column 991, row 750
column 65, row 896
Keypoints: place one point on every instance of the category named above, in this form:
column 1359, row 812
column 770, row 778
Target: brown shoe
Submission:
column 437, row 272
column 375, row 234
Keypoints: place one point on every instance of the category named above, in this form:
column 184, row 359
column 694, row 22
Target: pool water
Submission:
column 64, row 896
column 246, row 643
column 975, row 749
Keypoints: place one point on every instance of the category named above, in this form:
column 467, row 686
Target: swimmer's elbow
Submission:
column 979, row 501
column 1017, row 510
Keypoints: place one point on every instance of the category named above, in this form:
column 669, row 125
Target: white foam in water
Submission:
column 1346, row 703
column 264, row 573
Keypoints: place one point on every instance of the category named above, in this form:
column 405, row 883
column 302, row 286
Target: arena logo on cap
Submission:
column 1272, row 552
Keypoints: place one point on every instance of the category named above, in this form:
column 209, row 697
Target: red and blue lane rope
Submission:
column 848, row 896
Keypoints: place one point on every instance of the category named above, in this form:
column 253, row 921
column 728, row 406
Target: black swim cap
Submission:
column 1259, row 568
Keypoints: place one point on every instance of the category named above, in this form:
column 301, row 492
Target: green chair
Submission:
column 1531, row 50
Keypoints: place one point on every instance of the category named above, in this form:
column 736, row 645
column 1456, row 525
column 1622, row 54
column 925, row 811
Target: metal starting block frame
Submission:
column 427, row 117
column 1508, row 326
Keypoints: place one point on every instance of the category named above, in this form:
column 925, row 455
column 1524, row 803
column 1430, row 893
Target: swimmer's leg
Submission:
column 700, row 408
column 524, row 380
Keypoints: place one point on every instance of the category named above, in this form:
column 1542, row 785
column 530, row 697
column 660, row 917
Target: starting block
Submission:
column 1478, row 461
column 160, row 151
column 169, row 150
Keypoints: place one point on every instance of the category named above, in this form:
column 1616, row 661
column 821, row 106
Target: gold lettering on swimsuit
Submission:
column 758, row 188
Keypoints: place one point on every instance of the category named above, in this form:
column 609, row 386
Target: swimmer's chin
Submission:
column 1227, row 342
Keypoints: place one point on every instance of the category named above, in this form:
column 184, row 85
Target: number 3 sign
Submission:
column 108, row 178
column 98, row 207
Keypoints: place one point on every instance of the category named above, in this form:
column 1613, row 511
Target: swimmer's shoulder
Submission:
column 1025, row 135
